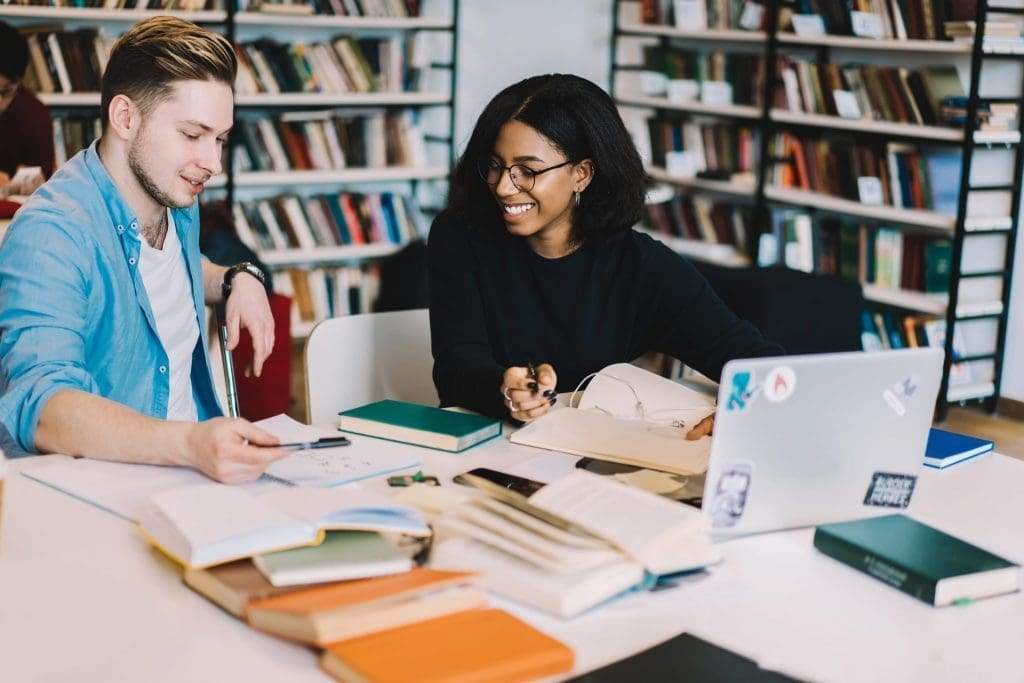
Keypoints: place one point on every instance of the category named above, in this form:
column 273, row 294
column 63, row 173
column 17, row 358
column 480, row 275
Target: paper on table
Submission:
column 116, row 487
column 333, row 466
column 611, row 391
column 631, row 442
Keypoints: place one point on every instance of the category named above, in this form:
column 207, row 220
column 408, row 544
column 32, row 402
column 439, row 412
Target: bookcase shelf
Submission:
column 854, row 43
column 737, row 111
column 719, row 254
column 738, row 189
column 721, row 35
column 129, row 16
column 75, row 99
column 291, row 258
column 885, row 214
column 344, row 176
column 904, row 130
column 319, row 100
column 328, row 22
column 916, row 164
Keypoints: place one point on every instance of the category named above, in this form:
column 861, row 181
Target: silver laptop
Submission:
column 807, row 440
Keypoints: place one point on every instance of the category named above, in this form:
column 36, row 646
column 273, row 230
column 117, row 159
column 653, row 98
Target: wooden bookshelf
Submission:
column 75, row 99
column 94, row 15
column 319, row 100
column 321, row 256
column 699, row 250
column 903, row 130
column 716, row 35
column 935, row 47
column 736, row 111
column 737, row 189
column 332, row 23
column 340, row 177
column 884, row 214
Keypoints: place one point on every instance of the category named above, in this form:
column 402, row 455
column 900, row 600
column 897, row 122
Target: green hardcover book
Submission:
column 344, row 555
column 420, row 425
column 917, row 559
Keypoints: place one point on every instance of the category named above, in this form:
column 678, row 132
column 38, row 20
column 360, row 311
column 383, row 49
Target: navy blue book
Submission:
column 948, row 448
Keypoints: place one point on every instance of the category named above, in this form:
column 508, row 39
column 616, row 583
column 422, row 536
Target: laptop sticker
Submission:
column 743, row 390
column 890, row 490
column 899, row 394
column 730, row 496
column 779, row 384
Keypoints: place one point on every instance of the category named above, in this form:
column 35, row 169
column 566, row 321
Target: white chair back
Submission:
column 356, row 359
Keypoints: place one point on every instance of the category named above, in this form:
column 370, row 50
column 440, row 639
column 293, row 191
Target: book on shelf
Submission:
column 328, row 292
column 331, row 612
column 696, row 15
column 343, row 555
column 920, row 560
column 945, row 448
column 572, row 544
column 65, row 61
column 208, row 524
column 447, row 430
column 887, row 20
column 473, row 645
column 341, row 8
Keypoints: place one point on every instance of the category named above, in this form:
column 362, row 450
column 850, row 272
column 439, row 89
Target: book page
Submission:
column 346, row 508
column 634, row 520
column 364, row 457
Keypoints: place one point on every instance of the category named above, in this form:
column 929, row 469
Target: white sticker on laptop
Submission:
column 730, row 494
column 899, row 394
column 742, row 390
column 890, row 490
column 779, row 384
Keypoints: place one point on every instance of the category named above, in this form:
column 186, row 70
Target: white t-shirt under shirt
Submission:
column 170, row 296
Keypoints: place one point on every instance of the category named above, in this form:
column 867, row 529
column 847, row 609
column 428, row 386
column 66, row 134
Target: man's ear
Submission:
column 584, row 171
column 123, row 116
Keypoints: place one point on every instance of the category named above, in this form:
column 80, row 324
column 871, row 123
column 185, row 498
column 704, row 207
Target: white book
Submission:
column 243, row 229
column 337, row 154
column 303, row 233
column 58, row 63
column 209, row 524
column 277, row 235
column 272, row 143
column 263, row 70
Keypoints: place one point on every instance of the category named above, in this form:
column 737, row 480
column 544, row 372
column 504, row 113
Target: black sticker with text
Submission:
column 890, row 490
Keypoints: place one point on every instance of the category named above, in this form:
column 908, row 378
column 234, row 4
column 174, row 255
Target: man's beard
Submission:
column 147, row 182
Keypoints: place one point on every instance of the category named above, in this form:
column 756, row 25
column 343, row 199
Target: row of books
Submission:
column 65, row 61
column 340, row 8
column 888, row 330
column 700, row 218
column 880, row 93
column 328, row 292
column 882, row 256
column 743, row 73
column 717, row 150
column 72, row 134
column 329, row 140
column 893, row 174
column 328, row 220
column 700, row 14
column 345, row 64
column 899, row 19
column 170, row 5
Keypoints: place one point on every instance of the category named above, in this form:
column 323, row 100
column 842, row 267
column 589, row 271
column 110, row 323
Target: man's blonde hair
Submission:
column 146, row 61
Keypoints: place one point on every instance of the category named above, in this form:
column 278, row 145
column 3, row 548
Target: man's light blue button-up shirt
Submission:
column 73, row 309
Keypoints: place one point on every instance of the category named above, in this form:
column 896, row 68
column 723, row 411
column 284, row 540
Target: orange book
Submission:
column 330, row 612
column 475, row 646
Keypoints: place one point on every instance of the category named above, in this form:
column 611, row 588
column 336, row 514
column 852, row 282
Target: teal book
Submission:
column 344, row 555
column 420, row 425
column 917, row 559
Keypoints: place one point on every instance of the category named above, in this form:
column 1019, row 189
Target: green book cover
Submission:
column 421, row 425
column 342, row 556
column 919, row 560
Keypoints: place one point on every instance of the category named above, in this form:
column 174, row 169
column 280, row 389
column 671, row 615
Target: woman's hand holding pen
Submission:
column 529, row 391
column 703, row 428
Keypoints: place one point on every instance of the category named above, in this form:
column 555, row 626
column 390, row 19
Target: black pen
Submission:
column 325, row 442
column 532, row 374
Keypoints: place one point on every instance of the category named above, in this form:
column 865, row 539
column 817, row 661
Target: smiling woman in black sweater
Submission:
column 535, row 260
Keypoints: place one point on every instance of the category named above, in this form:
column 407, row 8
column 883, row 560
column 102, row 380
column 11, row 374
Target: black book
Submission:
column 684, row 658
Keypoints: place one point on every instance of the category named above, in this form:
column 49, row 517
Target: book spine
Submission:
column 883, row 569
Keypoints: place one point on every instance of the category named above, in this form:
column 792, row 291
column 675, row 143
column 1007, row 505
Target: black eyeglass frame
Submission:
column 484, row 167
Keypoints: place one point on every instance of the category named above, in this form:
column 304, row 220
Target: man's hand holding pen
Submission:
column 529, row 391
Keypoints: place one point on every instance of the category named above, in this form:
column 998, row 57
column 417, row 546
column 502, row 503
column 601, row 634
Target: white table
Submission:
column 82, row 597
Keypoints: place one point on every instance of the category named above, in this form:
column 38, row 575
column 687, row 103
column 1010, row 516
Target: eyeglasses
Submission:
column 521, row 176
column 9, row 90
column 672, row 421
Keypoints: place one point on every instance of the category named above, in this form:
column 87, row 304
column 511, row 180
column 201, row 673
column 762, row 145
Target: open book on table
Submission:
column 209, row 524
column 574, row 543
column 631, row 416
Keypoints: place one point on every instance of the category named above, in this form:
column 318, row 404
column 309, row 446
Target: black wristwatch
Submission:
column 244, row 267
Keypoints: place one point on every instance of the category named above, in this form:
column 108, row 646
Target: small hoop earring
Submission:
column 577, row 198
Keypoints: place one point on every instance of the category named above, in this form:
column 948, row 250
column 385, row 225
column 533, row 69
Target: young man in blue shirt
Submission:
column 102, row 287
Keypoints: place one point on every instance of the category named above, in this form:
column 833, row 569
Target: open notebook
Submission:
column 631, row 416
